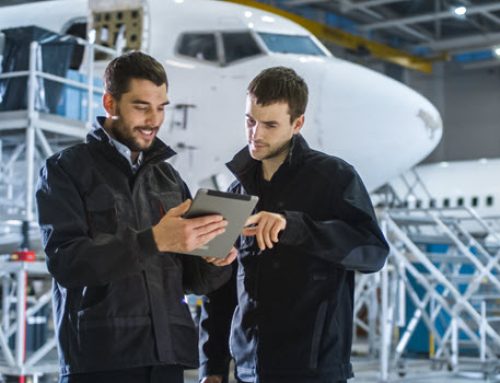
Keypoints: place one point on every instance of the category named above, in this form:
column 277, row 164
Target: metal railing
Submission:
column 34, row 134
column 17, row 180
column 459, row 309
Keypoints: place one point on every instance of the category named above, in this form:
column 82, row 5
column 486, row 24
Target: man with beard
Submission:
column 289, row 307
column 110, row 212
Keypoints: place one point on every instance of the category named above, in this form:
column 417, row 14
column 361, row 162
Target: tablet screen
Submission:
column 235, row 208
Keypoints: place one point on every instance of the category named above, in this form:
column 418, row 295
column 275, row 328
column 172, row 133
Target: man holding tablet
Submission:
column 288, row 310
column 111, row 214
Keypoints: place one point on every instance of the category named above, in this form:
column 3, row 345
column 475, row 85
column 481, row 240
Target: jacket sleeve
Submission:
column 215, row 327
column 352, row 239
column 200, row 277
column 74, row 258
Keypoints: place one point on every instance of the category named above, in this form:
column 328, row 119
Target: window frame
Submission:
column 218, row 48
column 489, row 200
column 317, row 44
column 219, row 44
column 253, row 34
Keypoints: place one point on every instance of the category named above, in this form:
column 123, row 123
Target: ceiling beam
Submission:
column 411, row 31
column 482, row 64
column 464, row 43
column 299, row 3
column 348, row 5
column 368, row 4
column 492, row 17
column 438, row 25
column 430, row 17
column 347, row 40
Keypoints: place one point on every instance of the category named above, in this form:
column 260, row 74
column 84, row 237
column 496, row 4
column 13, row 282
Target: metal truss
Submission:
column 20, row 312
column 455, row 290
column 27, row 137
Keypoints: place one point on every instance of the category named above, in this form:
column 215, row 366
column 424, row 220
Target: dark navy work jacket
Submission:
column 118, row 301
column 287, row 314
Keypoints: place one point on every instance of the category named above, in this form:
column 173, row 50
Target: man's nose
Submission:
column 154, row 118
column 257, row 132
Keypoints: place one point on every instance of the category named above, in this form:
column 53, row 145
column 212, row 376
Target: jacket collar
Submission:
column 243, row 166
column 159, row 151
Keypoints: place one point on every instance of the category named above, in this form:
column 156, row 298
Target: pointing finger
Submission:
column 253, row 219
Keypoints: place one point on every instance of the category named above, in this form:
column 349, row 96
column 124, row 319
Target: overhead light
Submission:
column 248, row 14
column 496, row 51
column 250, row 25
column 483, row 161
column 460, row 11
column 267, row 19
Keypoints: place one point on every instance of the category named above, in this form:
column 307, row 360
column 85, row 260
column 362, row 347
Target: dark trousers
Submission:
column 155, row 374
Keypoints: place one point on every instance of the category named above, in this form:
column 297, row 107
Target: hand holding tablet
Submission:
column 234, row 208
column 175, row 234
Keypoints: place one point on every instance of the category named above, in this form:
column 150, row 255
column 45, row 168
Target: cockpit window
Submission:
column 201, row 46
column 238, row 45
column 303, row 45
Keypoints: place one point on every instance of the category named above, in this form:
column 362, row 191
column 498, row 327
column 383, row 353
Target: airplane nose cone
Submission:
column 379, row 125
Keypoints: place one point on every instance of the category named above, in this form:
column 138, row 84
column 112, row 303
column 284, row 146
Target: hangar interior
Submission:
column 432, row 313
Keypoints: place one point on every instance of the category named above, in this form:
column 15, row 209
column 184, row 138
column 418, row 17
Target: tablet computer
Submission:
column 235, row 208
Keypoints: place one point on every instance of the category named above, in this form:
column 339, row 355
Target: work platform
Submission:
column 29, row 135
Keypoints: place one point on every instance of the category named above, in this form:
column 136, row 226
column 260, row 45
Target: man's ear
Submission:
column 298, row 124
column 109, row 104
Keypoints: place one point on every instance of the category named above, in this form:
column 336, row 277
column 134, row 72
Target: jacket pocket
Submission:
column 101, row 210
column 114, row 342
column 125, row 297
column 92, row 297
column 185, row 340
column 319, row 326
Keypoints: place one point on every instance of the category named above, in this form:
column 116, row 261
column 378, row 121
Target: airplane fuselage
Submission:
column 379, row 125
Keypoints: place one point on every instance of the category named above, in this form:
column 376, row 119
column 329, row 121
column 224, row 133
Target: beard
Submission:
column 123, row 134
column 276, row 152
column 125, row 138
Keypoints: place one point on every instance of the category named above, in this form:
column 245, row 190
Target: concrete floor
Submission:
column 416, row 372
column 366, row 371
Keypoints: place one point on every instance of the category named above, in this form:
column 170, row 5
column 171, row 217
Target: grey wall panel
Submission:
column 469, row 101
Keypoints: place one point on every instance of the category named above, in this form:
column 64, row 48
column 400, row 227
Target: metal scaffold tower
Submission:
column 444, row 264
column 27, row 137
column 437, row 300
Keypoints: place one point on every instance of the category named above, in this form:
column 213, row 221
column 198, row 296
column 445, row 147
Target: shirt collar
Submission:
column 121, row 148
column 242, row 162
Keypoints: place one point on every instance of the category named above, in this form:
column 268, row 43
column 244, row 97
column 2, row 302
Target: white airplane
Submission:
column 212, row 49
column 453, row 184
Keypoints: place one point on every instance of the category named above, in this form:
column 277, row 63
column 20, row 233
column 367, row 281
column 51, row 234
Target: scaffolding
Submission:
column 441, row 264
column 27, row 137
column 22, row 311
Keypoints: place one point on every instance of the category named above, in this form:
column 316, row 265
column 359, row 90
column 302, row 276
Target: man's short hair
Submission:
column 131, row 65
column 280, row 84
